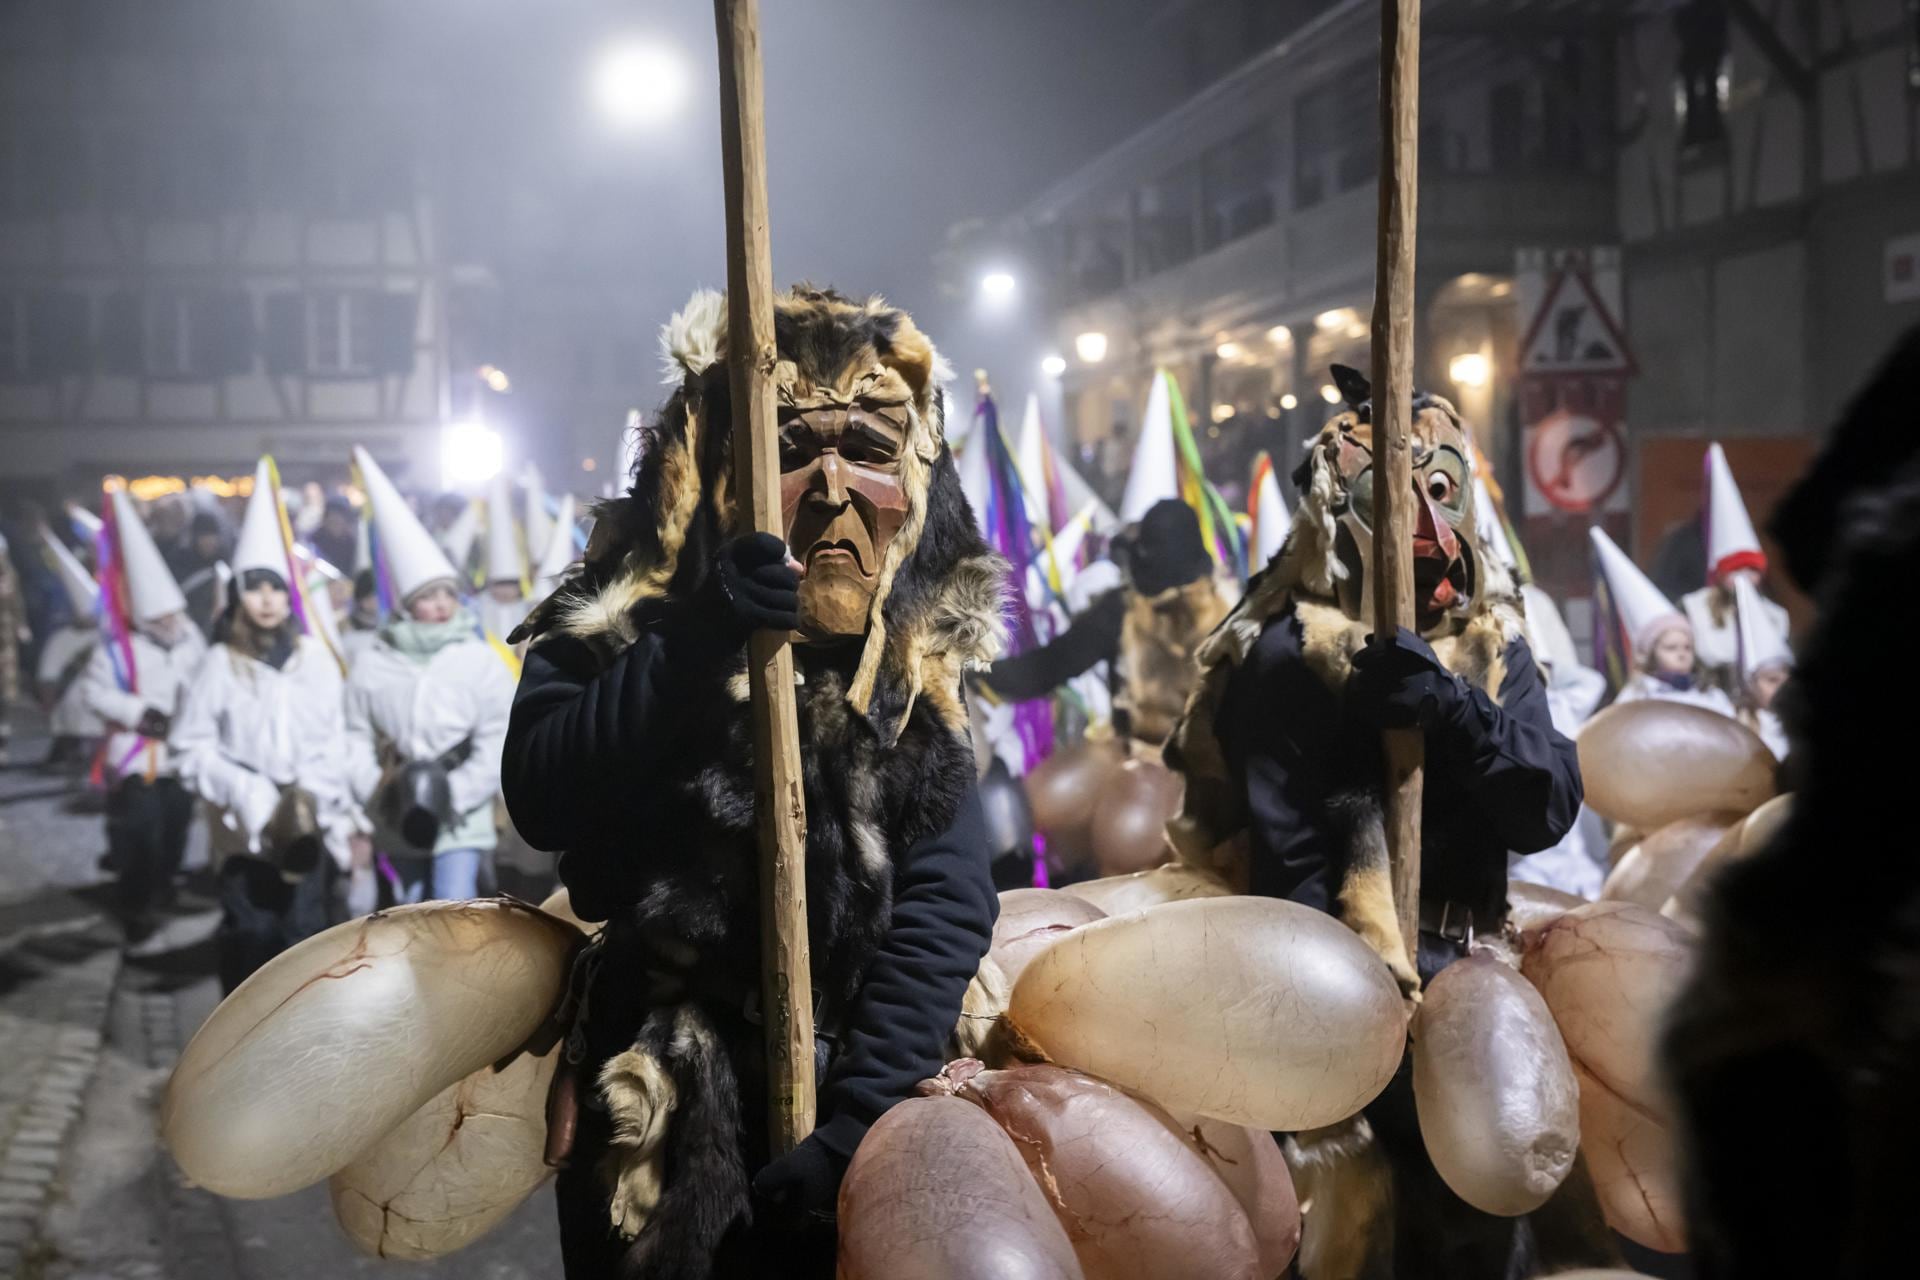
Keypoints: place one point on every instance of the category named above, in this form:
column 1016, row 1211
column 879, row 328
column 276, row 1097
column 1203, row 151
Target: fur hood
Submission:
column 938, row 610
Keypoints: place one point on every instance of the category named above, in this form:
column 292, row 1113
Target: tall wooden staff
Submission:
column 786, row 986
column 1392, row 412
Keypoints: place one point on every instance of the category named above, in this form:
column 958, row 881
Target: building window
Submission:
column 340, row 332
column 1336, row 142
column 1164, row 218
column 13, row 336
column 1236, row 179
column 169, row 343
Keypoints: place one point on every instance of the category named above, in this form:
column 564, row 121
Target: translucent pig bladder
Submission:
column 1248, row 1160
column 1031, row 920
column 334, row 1042
column 1252, row 1010
column 454, row 1168
column 1649, row 873
column 1130, row 817
column 1175, row 882
column 937, row 1191
column 1494, row 1088
column 1137, row 1199
column 1608, row 971
column 1530, row 904
column 1063, row 788
column 1649, row 763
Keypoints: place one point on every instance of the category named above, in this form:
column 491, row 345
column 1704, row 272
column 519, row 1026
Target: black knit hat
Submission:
column 1166, row 549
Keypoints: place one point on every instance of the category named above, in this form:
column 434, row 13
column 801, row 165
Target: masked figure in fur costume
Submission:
column 1146, row 631
column 1281, row 752
column 631, row 750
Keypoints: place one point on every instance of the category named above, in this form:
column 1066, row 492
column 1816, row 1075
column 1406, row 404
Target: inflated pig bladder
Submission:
column 1494, row 1087
column 1063, row 788
column 937, row 1191
column 1135, row 1196
column 1130, row 817
column 1252, row 1010
column 328, row 1046
column 454, row 1168
column 1608, row 972
column 1175, row 882
column 1031, row 920
column 1651, row 871
column 1248, row 1160
column 1530, row 904
column 1649, row 763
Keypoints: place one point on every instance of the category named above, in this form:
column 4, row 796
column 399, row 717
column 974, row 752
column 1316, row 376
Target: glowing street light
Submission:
column 470, row 455
column 495, row 378
column 998, row 286
column 639, row 84
column 1091, row 347
column 1470, row 370
column 1228, row 351
column 1280, row 335
column 1289, row 402
column 1330, row 393
column 1053, row 366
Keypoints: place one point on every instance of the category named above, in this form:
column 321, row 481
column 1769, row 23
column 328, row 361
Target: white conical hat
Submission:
column 1271, row 519
column 1547, row 633
column 413, row 558
column 539, row 523
column 503, row 541
column 559, row 553
column 260, row 545
column 1065, row 546
column 1033, row 455
column 151, row 591
column 457, row 539
column 1731, row 541
column 976, row 480
column 1153, row 475
column 82, row 591
column 1644, row 612
column 85, row 523
column 363, row 543
column 1761, row 644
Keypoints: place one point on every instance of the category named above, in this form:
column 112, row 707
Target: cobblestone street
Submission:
column 87, row 1038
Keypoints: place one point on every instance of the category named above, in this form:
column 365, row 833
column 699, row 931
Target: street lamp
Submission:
column 1053, row 366
column 1470, row 370
column 639, row 84
column 1091, row 347
column 998, row 286
column 470, row 455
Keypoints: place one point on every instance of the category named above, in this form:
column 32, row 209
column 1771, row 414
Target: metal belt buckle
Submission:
column 1465, row 936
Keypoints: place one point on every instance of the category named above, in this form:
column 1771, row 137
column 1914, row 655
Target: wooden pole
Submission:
column 786, row 985
column 1392, row 413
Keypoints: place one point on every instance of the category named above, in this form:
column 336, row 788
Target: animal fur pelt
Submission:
column 1305, row 578
column 885, row 751
column 1158, row 637
column 1781, row 1011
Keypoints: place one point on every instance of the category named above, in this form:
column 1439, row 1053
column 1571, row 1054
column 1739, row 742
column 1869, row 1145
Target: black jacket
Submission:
column 1093, row 637
column 1498, row 778
column 636, row 771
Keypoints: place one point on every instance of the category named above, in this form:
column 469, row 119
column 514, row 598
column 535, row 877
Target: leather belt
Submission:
column 1445, row 918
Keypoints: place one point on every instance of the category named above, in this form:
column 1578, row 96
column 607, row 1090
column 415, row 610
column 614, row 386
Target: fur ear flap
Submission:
column 1353, row 385
column 910, row 354
column 696, row 338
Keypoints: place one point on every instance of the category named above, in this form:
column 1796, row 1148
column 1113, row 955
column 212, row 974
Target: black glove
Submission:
column 1398, row 683
column 805, row 1181
column 759, row 586
column 154, row 723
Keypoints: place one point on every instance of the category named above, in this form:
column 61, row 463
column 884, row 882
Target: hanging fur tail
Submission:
column 676, row 1179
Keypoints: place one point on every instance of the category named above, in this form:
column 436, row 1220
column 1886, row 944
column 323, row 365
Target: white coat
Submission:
column 1577, row 864
column 70, row 717
column 246, row 730
column 1643, row 687
column 462, row 693
column 501, row 617
column 160, row 677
